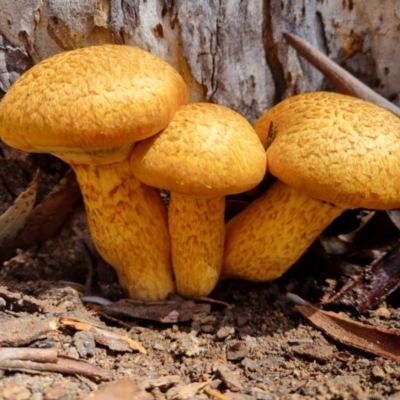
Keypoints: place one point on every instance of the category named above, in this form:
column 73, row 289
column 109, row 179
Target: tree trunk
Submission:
column 230, row 52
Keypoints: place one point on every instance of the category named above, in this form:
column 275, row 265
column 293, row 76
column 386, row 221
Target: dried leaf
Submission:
column 14, row 219
column 374, row 284
column 46, row 218
column 168, row 312
column 379, row 341
column 106, row 338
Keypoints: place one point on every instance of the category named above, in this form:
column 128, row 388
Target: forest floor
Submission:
column 248, row 341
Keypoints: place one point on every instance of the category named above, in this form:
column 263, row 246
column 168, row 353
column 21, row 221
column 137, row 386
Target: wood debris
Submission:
column 21, row 331
column 106, row 338
column 343, row 81
column 167, row 312
column 372, row 339
column 374, row 284
column 31, row 360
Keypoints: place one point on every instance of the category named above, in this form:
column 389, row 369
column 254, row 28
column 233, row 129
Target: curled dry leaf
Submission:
column 379, row 341
column 14, row 219
column 45, row 219
column 374, row 284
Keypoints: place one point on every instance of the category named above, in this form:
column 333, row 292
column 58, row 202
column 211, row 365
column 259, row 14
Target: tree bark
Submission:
column 230, row 52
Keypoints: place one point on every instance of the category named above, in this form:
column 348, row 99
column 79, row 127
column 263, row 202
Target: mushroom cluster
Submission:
column 330, row 152
column 120, row 117
column 90, row 107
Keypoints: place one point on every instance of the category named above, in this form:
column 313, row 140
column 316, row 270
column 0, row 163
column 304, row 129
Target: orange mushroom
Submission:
column 205, row 153
column 330, row 152
column 88, row 107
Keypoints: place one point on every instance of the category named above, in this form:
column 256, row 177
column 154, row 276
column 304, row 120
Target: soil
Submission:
column 248, row 343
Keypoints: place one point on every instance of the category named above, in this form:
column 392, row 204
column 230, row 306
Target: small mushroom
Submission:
column 330, row 152
column 88, row 107
column 205, row 153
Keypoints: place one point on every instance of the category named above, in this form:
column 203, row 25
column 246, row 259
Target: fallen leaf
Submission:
column 167, row 312
column 106, row 338
column 379, row 341
column 374, row 284
column 46, row 218
column 14, row 219
column 17, row 301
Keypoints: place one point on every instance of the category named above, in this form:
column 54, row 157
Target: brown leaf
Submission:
column 14, row 219
column 379, row 341
column 168, row 312
column 374, row 284
column 106, row 338
column 46, row 218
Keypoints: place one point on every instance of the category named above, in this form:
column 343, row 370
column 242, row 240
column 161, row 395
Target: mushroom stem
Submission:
column 262, row 249
column 197, row 230
column 128, row 223
column 343, row 81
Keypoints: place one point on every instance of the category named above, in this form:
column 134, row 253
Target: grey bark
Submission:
column 230, row 52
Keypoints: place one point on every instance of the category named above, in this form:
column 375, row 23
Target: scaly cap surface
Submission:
column 206, row 150
column 335, row 148
column 95, row 98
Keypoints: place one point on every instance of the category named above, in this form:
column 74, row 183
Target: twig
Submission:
column 340, row 78
column 47, row 360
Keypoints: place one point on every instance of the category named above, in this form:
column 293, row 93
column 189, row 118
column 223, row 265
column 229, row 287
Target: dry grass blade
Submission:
column 379, row 341
column 340, row 78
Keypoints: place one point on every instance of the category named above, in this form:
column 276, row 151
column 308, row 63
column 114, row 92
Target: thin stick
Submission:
column 340, row 78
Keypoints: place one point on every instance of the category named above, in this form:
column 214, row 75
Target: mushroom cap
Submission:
column 207, row 150
column 97, row 98
column 335, row 148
